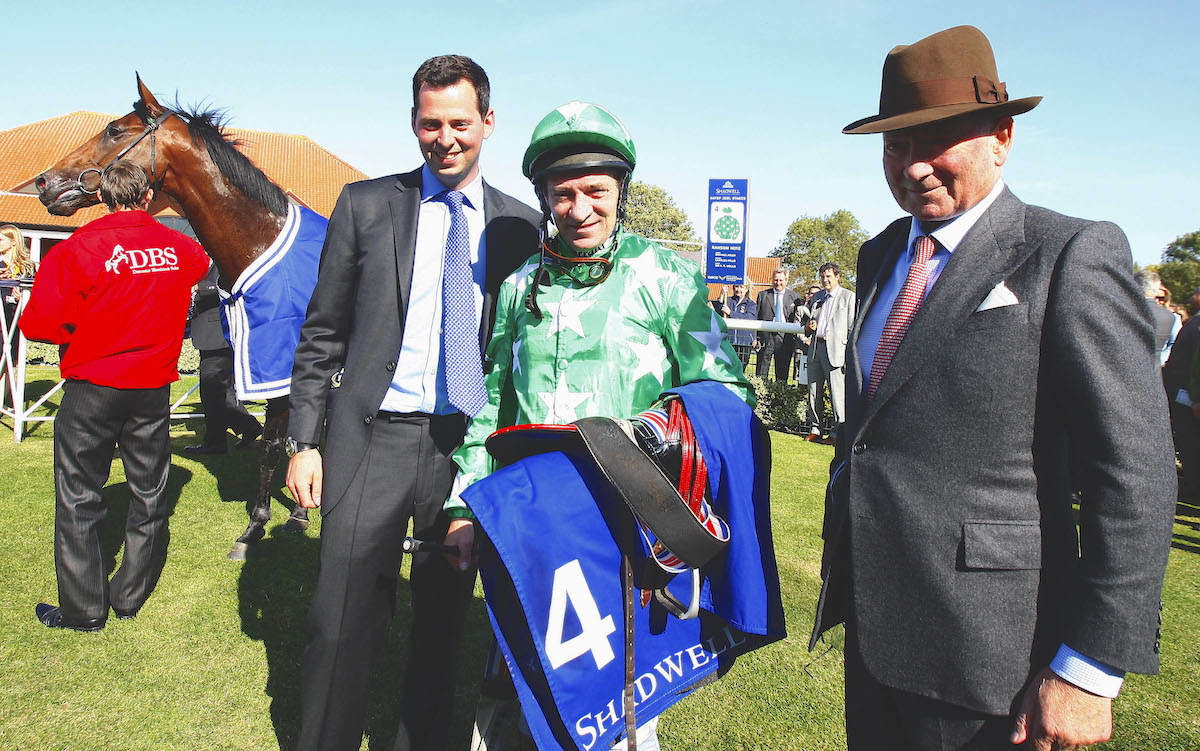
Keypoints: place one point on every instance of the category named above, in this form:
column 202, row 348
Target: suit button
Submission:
column 368, row 419
column 390, row 366
column 860, row 447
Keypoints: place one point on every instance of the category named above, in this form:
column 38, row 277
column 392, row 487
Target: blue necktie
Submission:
column 460, row 327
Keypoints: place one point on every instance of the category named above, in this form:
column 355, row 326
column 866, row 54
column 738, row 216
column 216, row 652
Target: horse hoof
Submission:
column 295, row 525
column 240, row 551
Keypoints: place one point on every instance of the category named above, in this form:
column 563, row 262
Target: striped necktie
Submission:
column 460, row 327
column 903, row 309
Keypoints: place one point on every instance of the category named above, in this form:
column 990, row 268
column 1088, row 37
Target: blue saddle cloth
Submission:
column 265, row 309
column 551, row 562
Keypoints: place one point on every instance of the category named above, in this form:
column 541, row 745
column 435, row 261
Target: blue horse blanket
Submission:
column 268, row 303
column 550, row 564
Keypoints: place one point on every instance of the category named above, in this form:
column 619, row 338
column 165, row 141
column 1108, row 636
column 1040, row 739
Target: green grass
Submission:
column 213, row 661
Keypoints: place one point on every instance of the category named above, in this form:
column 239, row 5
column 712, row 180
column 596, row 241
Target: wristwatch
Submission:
column 291, row 446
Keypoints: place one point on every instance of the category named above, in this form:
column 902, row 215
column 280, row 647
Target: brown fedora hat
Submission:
column 950, row 73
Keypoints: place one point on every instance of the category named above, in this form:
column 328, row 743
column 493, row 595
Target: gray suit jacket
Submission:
column 843, row 306
column 355, row 321
column 949, row 526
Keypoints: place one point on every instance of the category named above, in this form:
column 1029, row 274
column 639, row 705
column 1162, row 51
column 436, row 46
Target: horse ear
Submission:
column 152, row 106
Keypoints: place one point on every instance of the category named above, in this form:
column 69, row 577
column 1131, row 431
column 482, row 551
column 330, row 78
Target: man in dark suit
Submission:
column 776, row 304
column 981, row 404
column 389, row 362
column 222, row 410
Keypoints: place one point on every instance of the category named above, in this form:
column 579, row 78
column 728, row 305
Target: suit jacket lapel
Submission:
column 989, row 253
column 405, row 205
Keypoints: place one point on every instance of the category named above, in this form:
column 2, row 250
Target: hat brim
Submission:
column 882, row 124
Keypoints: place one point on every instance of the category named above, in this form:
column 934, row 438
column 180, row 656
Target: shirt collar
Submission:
column 431, row 188
column 951, row 234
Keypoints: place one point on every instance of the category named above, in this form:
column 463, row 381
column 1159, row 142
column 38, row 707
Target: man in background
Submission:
column 114, row 296
column 222, row 410
column 829, row 324
column 776, row 304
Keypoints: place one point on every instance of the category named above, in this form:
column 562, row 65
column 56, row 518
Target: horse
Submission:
column 235, row 210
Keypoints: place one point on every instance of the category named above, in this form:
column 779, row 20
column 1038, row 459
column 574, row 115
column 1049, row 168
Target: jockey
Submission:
column 599, row 321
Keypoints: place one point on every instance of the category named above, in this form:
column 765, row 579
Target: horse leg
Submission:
column 274, row 429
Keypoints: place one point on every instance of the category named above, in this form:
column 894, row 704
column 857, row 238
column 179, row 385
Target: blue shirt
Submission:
column 419, row 383
column 946, row 239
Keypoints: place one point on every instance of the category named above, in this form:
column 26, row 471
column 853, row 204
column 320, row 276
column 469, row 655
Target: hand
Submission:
column 305, row 476
column 461, row 534
column 1057, row 715
column 1196, row 410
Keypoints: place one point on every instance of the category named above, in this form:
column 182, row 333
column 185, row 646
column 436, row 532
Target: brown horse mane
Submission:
column 207, row 126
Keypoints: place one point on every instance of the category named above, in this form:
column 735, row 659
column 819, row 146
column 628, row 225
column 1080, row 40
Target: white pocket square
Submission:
column 1000, row 296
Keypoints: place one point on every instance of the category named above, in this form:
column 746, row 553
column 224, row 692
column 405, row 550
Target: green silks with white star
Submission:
column 607, row 350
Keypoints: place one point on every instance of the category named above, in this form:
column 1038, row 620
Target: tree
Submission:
column 1181, row 277
column 813, row 241
column 650, row 212
column 1184, row 248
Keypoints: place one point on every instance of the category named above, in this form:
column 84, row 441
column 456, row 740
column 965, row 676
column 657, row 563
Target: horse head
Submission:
column 73, row 183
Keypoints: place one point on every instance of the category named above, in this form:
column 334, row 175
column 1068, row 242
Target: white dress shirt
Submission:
column 419, row 383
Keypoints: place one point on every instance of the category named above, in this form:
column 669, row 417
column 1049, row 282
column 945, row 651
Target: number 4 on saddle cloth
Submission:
column 554, row 524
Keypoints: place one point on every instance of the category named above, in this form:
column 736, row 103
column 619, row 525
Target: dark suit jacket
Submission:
column 949, row 514
column 206, row 314
column 355, row 321
column 766, row 312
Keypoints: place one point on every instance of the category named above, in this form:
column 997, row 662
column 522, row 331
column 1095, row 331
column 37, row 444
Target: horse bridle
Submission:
column 152, row 125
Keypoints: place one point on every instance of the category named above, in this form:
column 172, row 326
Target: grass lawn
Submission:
column 213, row 660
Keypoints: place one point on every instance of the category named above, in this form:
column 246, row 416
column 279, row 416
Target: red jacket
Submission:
column 116, row 294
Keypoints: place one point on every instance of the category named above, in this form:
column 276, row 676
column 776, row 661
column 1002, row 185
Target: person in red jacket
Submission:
column 114, row 297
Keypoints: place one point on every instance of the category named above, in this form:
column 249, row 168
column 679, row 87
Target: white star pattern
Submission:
column 711, row 340
column 649, row 274
column 521, row 278
column 561, row 403
column 571, row 110
column 566, row 313
column 650, row 357
column 516, row 361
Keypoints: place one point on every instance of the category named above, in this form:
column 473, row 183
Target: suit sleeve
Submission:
column 321, row 351
column 1120, row 450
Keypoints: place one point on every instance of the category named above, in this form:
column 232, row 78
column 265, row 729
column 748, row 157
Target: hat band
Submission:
column 937, row 92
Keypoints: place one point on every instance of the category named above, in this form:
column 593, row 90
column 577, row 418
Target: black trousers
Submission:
column 1187, row 446
column 91, row 421
column 407, row 472
column 222, row 410
column 881, row 718
column 779, row 348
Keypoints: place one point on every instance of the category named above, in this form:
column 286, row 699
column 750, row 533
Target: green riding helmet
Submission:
column 575, row 136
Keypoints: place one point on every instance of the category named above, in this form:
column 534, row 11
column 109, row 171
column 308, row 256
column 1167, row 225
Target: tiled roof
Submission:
column 308, row 173
column 758, row 274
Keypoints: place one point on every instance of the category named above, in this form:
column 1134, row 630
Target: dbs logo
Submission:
column 141, row 261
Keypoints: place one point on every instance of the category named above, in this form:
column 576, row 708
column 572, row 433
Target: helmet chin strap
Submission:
column 598, row 268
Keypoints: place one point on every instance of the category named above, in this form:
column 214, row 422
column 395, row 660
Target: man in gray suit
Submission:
column 389, row 363
column 982, row 403
column 829, row 327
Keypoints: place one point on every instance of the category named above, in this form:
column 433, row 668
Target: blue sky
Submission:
column 708, row 89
